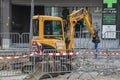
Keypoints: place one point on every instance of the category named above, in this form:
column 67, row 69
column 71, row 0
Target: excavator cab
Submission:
column 48, row 31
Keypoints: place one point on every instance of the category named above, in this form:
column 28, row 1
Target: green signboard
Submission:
column 109, row 12
column 109, row 19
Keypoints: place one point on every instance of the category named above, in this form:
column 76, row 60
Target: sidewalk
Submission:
column 18, row 77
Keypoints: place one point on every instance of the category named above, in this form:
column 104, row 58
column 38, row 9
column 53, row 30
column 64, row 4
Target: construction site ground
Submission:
column 103, row 74
column 73, row 77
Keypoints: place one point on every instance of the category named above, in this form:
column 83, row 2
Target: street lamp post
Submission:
column 31, row 25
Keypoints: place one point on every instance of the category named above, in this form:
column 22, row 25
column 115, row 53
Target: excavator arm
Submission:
column 72, row 20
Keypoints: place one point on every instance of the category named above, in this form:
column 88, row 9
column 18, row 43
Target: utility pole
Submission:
column 1, row 17
column 31, row 25
column 0, row 14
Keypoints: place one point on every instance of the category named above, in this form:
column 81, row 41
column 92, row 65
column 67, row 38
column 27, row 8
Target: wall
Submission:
column 61, row 2
column 6, row 16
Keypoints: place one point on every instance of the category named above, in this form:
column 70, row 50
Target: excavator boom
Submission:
column 75, row 16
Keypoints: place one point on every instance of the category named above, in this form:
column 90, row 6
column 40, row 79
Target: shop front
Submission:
column 15, row 14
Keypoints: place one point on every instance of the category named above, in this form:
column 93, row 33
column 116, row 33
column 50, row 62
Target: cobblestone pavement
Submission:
column 75, row 76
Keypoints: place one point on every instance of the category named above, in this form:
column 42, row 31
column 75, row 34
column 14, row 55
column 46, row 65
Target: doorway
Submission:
column 20, row 22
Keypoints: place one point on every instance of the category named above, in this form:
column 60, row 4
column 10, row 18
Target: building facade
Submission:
column 15, row 14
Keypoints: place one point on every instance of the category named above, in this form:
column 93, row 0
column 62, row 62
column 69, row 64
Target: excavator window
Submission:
column 52, row 29
column 47, row 28
column 35, row 27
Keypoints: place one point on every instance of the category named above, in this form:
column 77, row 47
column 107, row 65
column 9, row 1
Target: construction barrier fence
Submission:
column 16, row 59
column 109, row 39
column 51, row 63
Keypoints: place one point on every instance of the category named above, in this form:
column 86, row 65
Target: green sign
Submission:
column 109, row 2
column 109, row 19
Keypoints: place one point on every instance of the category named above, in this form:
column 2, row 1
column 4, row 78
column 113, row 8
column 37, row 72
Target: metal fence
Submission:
column 14, row 41
column 8, row 39
column 50, row 63
column 106, row 66
column 77, row 63
column 109, row 39
column 15, row 62
column 17, row 40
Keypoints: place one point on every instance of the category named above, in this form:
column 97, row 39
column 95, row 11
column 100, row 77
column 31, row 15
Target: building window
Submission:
column 80, row 27
column 35, row 27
